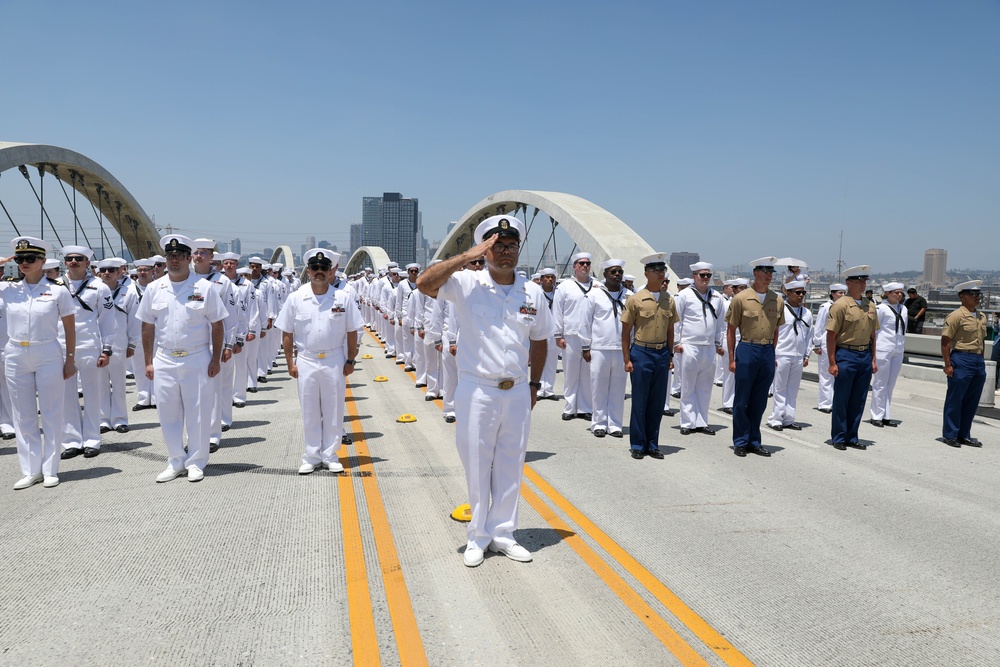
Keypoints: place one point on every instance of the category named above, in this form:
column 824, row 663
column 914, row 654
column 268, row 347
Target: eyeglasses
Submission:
column 504, row 249
column 478, row 262
column 160, row 264
column 26, row 259
column 105, row 270
column 800, row 292
column 615, row 272
column 316, row 266
column 583, row 262
column 74, row 258
column 706, row 276
column 177, row 255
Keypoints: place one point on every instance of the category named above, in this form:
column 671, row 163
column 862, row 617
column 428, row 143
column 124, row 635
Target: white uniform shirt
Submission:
column 182, row 312
column 404, row 290
column 794, row 337
column 34, row 312
column 819, row 329
column 224, row 287
column 497, row 325
column 128, row 329
column 95, row 322
column 701, row 319
column 569, row 306
column 891, row 336
column 320, row 323
column 603, row 327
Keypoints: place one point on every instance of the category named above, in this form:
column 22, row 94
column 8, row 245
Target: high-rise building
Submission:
column 310, row 243
column 935, row 266
column 391, row 222
column 680, row 263
column 222, row 246
column 236, row 246
column 355, row 237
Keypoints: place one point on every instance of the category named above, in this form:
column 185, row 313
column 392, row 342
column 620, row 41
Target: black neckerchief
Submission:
column 616, row 305
column 139, row 291
column 798, row 318
column 83, row 286
column 114, row 295
column 706, row 304
column 899, row 318
column 549, row 298
column 589, row 287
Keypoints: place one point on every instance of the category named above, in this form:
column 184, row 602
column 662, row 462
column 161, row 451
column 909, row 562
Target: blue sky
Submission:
column 734, row 129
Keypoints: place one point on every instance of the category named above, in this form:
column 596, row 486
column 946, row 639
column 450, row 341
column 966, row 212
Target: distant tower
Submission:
column 310, row 242
column 393, row 223
column 680, row 263
column 236, row 246
column 355, row 237
column 935, row 266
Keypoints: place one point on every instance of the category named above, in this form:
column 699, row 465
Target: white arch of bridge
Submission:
column 369, row 255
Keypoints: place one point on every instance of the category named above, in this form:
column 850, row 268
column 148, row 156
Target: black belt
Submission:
column 966, row 352
column 855, row 348
column 650, row 346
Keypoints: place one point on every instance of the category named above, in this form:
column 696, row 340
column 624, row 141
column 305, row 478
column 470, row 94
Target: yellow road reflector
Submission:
column 462, row 513
column 366, row 356
column 406, row 419
column 381, row 378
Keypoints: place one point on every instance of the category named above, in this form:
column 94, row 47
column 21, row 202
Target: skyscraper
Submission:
column 355, row 237
column 680, row 263
column 391, row 222
column 935, row 266
column 310, row 243
column 236, row 246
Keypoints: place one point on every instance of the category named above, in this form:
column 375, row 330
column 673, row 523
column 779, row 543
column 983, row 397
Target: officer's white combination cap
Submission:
column 968, row 285
column 31, row 245
column 654, row 260
column 860, row 271
column 580, row 255
column 892, row 287
column 838, row 287
column 499, row 225
column 50, row 264
column 176, row 243
column 620, row 263
column 795, row 284
column 412, row 265
column 701, row 266
column 144, row 262
column 791, row 261
column 204, row 243
column 763, row 262
column 77, row 250
column 547, row 272
column 321, row 254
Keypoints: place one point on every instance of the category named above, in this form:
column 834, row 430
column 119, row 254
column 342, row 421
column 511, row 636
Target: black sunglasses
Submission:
column 800, row 292
column 75, row 258
column 704, row 275
column 26, row 259
column 316, row 266
column 478, row 261
column 106, row 269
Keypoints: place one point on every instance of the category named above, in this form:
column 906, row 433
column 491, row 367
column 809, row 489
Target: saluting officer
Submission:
column 890, row 343
column 504, row 322
column 321, row 324
column 756, row 313
column 791, row 357
column 963, row 341
column 850, row 343
column 569, row 309
column 186, row 314
column 647, row 345
column 35, row 363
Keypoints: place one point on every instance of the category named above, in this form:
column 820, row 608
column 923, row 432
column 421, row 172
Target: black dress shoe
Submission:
column 707, row 430
column 600, row 433
column 122, row 428
column 420, row 385
column 400, row 362
column 857, row 445
column 138, row 408
column 655, row 454
column 567, row 417
column 728, row 411
column 951, row 442
column 971, row 442
column 779, row 427
column 740, row 450
column 760, row 451
column 346, row 440
column 825, row 411
column 90, row 452
column 261, row 379
column 449, row 419
column 430, row 397
column 129, row 376
column 793, row 427
column 225, row 427
column 669, row 413
column 616, row 434
column 252, row 390
column 685, row 431
column 239, row 404
column 637, row 455
column 213, row 447
column 585, row 415
column 676, row 394
column 70, row 453
column 106, row 429
column 841, row 446
column 889, row 422
column 876, row 422
column 409, row 369
column 9, row 436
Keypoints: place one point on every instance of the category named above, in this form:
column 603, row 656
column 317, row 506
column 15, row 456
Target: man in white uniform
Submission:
column 568, row 310
column 701, row 327
column 504, row 323
column 186, row 315
column 128, row 331
column 246, row 331
column 790, row 356
column 722, row 362
column 547, row 279
column 890, row 344
column 728, row 377
column 321, row 323
column 602, row 333
column 825, row 397
column 143, row 385
column 259, row 362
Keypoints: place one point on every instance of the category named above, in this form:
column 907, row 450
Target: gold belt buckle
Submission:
column 25, row 343
column 505, row 384
column 179, row 353
column 321, row 355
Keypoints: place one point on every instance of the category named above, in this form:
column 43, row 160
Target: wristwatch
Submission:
column 351, row 361
column 536, row 385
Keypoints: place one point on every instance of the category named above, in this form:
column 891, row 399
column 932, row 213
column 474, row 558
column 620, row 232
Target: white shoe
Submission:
column 306, row 468
column 50, row 481
column 195, row 474
column 169, row 474
column 513, row 552
column 335, row 466
column 473, row 556
column 26, row 481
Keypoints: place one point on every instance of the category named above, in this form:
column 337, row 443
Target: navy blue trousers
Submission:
column 754, row 374
column 649, row 394
column 965, row 388
column 850, row 391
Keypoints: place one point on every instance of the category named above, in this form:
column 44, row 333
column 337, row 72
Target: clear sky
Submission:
column 734, row 129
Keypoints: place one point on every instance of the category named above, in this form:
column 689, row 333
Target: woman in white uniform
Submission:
column 889, row 343
column 36, row 365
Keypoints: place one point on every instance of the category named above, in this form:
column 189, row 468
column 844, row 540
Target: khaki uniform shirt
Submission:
column 853, row 324
column 650, row 317
column 967, row 330
column 756, row 321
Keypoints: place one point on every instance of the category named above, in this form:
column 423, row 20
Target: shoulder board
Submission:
column 56, row 281
column 16, row 279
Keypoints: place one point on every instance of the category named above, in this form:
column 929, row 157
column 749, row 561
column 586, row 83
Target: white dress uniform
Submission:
column 551, row 358
column 222, row 405
column 404, row 337
column 6, row 412
column 794, row 338
column 722, row 362
column 95, row 329
column 443, row 329
column 825, row 398
column 247, row 298
column 413, row 321
column 319, row 325
column 497, row 324
column 183, row 313
column 128, row 332
column 432, row 358
column 701, row 328
column 602, row 333
column 143, row 385
column 33, row 366
column 889, row 344
column 257, row 367
column 569, row 310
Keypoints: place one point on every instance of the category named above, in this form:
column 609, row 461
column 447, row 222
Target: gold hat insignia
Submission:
column 22, row 244
column 504, row 223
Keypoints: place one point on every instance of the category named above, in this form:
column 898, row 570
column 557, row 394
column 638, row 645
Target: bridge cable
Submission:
column 570, row 256
column 16, row 231
column 44, row 214
column 77, row 225
column 551, row 239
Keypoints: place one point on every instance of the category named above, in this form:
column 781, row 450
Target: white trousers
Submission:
column 83, row 429
column 721, row 364
column 6, row 411
column 607, row 386
column 492, row 438
column 143, row 385
column 257, row 368
column 406, row 339
column 787, row 378
column 322, row 389
column 883, row 384
column 549, row 371
column 184, row 396
column 728, row 385
column 222, row 403
column 449, row 382
column 112, row 381
column 825, row 399
column 697, row 374
column 241, row 371
column 576, row 378
column 419, row 360
column 432, row 369
column 28, row 370
column 400, row 342
column 670, row 383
